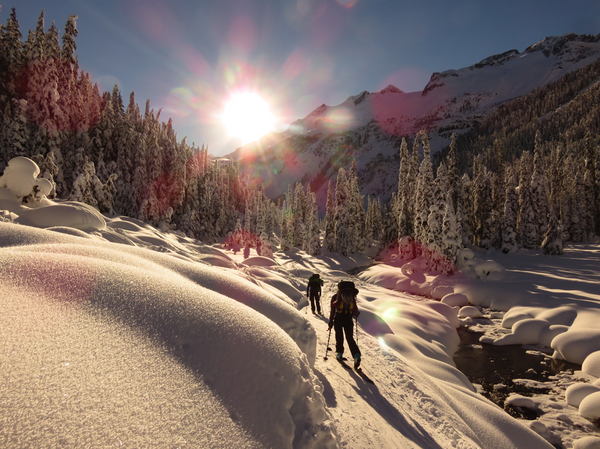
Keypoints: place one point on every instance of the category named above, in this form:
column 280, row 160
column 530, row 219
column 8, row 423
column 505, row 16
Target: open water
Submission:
column 495, row 367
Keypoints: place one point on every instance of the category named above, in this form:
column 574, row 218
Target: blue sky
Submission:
column 188, row 56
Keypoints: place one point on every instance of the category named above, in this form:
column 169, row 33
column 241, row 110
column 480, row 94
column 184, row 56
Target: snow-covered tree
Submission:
column 553, row 240
column 424, row 192
column 527, row 228
column 539, row 193
column 329, row 239
column 343, row 219
column 451, row 239
column 481, row 194
column 511, row 211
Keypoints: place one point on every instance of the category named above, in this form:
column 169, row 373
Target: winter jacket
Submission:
column 314, row 286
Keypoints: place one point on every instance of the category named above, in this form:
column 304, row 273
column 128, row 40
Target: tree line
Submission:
column 497, row 186
column 98, row 150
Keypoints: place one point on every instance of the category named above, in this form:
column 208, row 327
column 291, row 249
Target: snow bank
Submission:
column 118, row 333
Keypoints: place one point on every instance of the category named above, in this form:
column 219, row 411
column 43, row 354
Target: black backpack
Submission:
column 346, row 295
column 315, row 283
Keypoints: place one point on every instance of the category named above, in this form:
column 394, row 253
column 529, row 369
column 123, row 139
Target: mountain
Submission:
column 369, row 127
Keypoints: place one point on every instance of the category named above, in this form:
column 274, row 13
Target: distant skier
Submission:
column 343, row 309
column 313, row 292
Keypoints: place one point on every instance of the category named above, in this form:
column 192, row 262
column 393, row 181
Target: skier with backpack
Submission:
column 343, row 310
column 313, row 291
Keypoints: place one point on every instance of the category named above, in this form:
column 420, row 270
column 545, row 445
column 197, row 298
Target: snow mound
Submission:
column 490, row 270
column 591, row 364
column 517, row 400
column 151, row 355
column 80, row 216
column 548, row 334
column 469, row 312
column 259, row 261
column 590, row 406
column 440, row 291
column 589, row 442
column 455, row 300
column 578, row 392
column 525, row 332
column 576, row 344
column 20, row 181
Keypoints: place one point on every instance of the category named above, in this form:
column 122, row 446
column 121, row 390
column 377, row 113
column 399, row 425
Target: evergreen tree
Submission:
column 424, row 193
column 527, row 229
column 343, row 226
column 481, row 192
column 539, row 193
column 68, row 39
column 329, row 240
column 451, row 239
column 356, row 211
column 511, row 211
column 553, row 243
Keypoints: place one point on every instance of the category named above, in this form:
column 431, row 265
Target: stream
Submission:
column 495, row 367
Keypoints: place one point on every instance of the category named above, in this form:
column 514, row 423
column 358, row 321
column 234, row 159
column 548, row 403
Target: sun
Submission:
column 247, row 117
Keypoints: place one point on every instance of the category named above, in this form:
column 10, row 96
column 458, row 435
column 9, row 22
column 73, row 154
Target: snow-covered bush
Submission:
column 490, row 270
column 21, row 178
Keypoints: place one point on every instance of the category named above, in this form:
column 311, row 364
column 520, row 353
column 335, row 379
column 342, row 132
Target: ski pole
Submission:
column 327, row 347
column 356, row 330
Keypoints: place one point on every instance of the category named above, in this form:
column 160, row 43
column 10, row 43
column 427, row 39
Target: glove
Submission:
column 330, row 325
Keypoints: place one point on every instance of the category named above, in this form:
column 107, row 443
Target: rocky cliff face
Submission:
column 369, row 127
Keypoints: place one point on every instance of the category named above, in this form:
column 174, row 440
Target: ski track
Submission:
column 392, row 412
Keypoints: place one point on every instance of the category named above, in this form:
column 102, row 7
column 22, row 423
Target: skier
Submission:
column 313, row 291
column 343, row 309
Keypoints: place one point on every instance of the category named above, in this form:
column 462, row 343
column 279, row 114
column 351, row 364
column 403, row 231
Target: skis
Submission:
column 358, row 371
column 361, row 373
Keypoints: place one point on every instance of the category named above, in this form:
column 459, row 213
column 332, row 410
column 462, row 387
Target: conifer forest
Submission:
column 528, row 175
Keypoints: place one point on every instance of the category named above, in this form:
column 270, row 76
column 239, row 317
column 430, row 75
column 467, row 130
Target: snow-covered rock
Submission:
column 469, row 312
column 591, row 364
column 455, row 300
column 576, row 344
column 589, row 407
column 517, row 400
column 589, row 442
column 578, row 392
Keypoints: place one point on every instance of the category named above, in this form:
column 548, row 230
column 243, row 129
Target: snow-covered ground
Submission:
column 113, row 333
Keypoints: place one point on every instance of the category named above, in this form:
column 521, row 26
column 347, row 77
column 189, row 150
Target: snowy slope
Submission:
column 368, row 127
column 113, row 333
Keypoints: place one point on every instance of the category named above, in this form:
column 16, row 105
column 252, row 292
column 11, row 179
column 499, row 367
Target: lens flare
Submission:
column 347, row 3
column 247, row 117
column 390, row 313
column 383, row 344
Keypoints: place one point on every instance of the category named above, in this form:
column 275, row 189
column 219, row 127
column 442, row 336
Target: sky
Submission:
column 189, row 57
column 115, row 333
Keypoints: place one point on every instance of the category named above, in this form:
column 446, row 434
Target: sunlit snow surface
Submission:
column 125, row 335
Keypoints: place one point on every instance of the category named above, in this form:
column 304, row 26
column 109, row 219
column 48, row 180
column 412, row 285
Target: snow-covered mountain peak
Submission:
column 558, row 45
column 532, row 66
column 368, row 127
column 391, row 89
